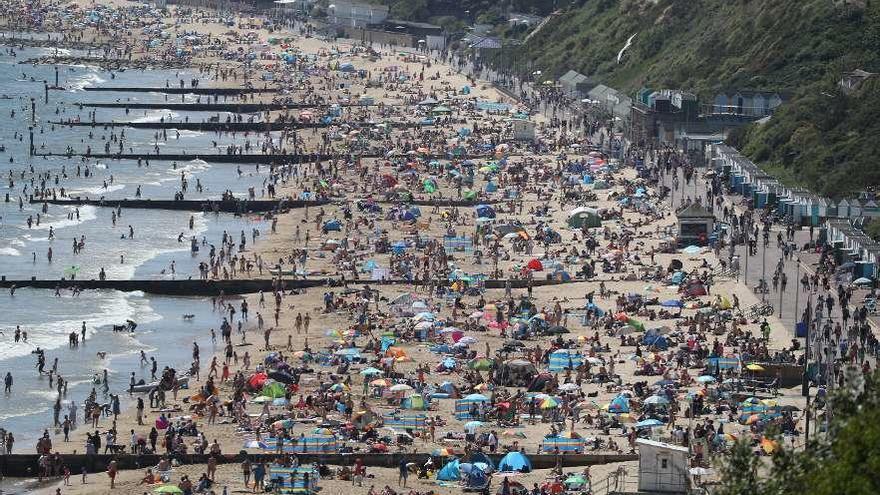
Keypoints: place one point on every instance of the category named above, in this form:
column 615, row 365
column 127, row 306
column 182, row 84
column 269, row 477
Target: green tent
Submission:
column 481, row 364
column 273, row 389
column 636, row 324
column 584, row 219
column 468, row 194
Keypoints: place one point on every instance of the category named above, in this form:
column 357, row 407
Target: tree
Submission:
column 843, row 462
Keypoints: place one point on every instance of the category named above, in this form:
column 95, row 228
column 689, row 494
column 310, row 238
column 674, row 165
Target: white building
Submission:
column 663, row 467
column 355, row 14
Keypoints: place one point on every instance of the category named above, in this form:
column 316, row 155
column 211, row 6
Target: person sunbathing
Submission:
column 148, row 478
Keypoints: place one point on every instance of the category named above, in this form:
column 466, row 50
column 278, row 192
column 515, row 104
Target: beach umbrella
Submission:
column 381, row 382
column 754, row 367
column 649, row 423
column 549, row 403
column 656, row 399
column 253, row 444
column 261, row 399
column 280, row 401
column 339, row 387
column 861, row 281
column 706, row 379
column 371, row 371
column 400, row 387
column 174, row 489
column 692, row 249
column 568, row 387
column 443, row 452
column 472, row 425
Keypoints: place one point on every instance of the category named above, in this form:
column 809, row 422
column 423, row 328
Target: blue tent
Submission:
column 619, row 404
column 478, row 457
column 476, row 478
column 332, row 225
column 491, row 187
column 449, row 472
column 485, row 211
column 346, row 67
column 515, row 461
column 652, row 338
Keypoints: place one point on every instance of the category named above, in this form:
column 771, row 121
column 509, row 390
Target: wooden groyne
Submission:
column 218, row 158
column 228, row 126
column 25, row 465
column 277, row 159
column 219, row 107
column 238, row 206
column 182, row 91
column 196, row 287
column 205, row 205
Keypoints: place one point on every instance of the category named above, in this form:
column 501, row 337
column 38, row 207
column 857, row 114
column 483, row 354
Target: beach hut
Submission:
column 515, row 461
column 695, row 223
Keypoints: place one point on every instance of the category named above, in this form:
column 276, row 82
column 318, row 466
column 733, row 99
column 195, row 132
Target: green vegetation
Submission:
column 799, row 48
column 843, row 465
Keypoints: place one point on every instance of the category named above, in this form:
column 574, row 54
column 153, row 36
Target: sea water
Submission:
column 48, row 318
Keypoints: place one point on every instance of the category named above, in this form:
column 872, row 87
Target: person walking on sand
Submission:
column 404, row 473
column 111, row 472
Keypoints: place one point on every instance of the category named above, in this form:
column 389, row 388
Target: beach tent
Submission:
column 476, row 479
column 332, row 225
column 481, row 458
column 565, row 359
column 654, row 339
column 414, row 402
column 584, row 217
column 619, row 404
column 535, row 265
column 515, row 461
column 485, row 211
column 449, row 472
column 566, row 442
column 273, row 389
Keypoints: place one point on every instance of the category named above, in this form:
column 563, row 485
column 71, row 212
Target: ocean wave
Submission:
column 106, row 308
column 87, row 79
column 86, row 213
column 156, row 116
column 97, row 190
column 9, row 251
